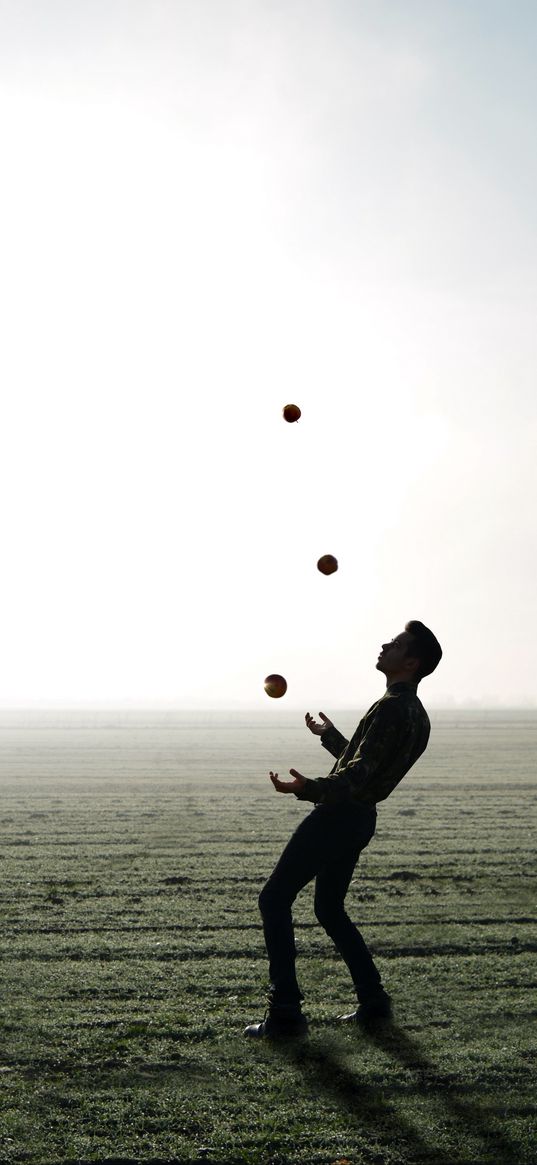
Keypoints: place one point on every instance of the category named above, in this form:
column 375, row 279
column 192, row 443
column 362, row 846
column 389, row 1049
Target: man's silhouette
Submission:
column 327, row 844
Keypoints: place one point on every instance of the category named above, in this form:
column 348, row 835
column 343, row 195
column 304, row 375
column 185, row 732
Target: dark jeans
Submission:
column 326, row 846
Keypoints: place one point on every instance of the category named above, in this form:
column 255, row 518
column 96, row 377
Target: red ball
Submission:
column 291, row 412
column 275, row 686
column 327, row 564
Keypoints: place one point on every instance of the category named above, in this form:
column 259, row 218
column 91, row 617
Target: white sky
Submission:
column 209, row 209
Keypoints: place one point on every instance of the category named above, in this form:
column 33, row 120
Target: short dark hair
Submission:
column 425, row 646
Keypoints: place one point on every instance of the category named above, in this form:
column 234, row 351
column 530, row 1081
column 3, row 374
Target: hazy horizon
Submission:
column 239, row 706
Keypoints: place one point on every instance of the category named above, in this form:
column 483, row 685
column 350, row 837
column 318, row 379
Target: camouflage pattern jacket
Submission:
column 388, row 741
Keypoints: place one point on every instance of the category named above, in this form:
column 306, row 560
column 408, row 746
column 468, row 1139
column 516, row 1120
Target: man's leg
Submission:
column 330, row 890
column 299, row 863
column 308, row 849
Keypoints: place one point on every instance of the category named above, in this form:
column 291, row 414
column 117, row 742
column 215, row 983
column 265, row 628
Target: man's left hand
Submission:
column 294, row 786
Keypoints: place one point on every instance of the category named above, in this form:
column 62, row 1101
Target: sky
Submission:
column 212, row 208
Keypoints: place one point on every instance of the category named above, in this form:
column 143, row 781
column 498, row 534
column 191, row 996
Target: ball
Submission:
column 291, row 413
column 275, row 686
column 327, row 564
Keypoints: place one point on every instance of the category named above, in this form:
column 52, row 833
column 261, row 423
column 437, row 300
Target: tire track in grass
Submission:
column 195, row 928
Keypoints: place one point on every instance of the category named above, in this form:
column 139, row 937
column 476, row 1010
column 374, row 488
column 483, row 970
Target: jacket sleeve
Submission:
column 333, row 741
column 356, row 778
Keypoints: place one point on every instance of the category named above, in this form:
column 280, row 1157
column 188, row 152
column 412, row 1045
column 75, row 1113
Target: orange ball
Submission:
column 291, row 412
column 275, row 686
column 327, row 564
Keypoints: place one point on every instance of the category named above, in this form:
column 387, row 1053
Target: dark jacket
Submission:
column 388, row 741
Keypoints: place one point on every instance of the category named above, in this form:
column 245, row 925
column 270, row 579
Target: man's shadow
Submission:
column 371, row 1106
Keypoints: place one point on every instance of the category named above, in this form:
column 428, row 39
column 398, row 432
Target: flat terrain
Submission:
column 133, row 851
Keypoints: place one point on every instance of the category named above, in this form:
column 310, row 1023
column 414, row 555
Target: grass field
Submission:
column 132, row 953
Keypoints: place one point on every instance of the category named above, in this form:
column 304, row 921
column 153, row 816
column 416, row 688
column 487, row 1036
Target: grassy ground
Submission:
column 132, row 958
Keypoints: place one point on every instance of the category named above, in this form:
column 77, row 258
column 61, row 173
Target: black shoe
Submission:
column 378, row 1007
column 275, row 1028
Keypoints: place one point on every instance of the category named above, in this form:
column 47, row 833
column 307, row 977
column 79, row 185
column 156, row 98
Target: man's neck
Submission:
column 399, row 678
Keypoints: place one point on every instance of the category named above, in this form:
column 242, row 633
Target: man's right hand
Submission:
column 316, row 728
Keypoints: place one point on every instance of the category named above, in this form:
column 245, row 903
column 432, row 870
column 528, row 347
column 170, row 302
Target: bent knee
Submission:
column 328, row 914
column 272, row 898
column 267, row 899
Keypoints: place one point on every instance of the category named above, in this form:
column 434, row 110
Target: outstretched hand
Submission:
column 316, row 728
column 295, row 786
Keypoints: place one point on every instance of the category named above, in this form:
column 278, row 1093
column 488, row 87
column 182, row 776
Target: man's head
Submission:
column 411, row 655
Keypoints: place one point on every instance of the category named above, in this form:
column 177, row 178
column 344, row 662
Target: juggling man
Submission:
column 327, row 844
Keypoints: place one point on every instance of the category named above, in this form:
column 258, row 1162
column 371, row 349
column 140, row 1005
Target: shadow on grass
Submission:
column 467, row 1113
column 371, row 1108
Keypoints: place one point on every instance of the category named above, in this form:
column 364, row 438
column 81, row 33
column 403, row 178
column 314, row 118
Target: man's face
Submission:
column 396, row 655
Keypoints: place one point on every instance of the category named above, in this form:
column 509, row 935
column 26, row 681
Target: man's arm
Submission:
column 331, row 739
column 375, row 749
column 334, row 741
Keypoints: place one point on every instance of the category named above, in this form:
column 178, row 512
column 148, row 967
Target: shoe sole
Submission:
column 365, row 1020
column 300, row 1034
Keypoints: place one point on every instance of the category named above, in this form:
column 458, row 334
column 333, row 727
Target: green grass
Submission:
column 132, row 958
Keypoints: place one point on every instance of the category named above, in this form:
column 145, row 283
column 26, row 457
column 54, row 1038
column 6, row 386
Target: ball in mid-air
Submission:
column 291, row 413
column 275, row 686
column 327, row 564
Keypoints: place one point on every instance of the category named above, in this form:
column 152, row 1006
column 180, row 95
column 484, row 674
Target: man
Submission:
column 327, row 844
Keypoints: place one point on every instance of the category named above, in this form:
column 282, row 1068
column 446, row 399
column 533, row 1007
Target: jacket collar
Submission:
column 402, row 686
